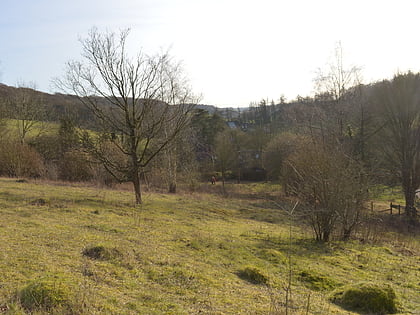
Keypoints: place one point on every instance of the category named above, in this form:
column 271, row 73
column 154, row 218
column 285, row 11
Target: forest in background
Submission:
column 136, row 120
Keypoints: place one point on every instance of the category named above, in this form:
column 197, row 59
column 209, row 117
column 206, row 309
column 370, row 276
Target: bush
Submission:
column 331, row 187
column 367, row 297
column 48, row 145
column 253, row 275
column 277, row 151
column 101, row 253
column 17, row 159
column 74, row 166
column 254, row 174
column 46, row 293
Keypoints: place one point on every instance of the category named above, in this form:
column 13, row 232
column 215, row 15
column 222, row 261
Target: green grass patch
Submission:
column 39, row 127
column 387, row 194
column 316, row 281
column 179, row 254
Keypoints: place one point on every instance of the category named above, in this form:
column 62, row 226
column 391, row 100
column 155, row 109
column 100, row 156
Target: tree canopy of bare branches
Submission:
column 337, row 79
column 337, row 91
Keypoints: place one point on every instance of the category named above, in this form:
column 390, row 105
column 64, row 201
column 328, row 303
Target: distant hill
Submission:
column 58, row 105
column 65, row 104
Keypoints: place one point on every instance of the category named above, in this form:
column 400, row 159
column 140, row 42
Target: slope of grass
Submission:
column 180, row 254
column 39, row 127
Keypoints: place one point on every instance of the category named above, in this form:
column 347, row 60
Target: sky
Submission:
column 234, row 52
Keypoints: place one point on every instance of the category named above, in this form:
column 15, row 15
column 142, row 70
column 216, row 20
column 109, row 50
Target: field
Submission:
column 37, row 128
column 184, row 254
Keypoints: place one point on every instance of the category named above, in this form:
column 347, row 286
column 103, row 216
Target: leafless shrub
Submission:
column 332, row 189
column 19, row 159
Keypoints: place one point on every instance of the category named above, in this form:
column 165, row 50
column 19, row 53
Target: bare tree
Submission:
column 176, row 161
column 398, row 103
column 337, row 79
column 141, row 103
column 27, row 107
column 335, row 88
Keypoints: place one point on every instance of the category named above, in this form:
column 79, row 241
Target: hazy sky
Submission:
column 233, row 51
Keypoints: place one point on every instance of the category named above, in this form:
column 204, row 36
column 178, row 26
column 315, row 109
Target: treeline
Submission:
column 243, row 144
column 327, row 151
column 134, row 120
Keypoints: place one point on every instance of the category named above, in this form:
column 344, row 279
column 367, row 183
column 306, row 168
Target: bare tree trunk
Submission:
column 223, row 182
column 326, row 236
column 137, row 188
column 172, row 188
column 346, row 234
column 410, row 196
column 172, row 169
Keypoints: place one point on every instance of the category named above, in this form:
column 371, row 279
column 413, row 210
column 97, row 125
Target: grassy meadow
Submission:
column 38, row 127
column 185, row 253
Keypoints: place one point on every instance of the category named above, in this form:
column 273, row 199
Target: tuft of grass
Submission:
column 367, row 297
column 253, row 275
column 46, row 293
column 101, row 252
column 39, row 202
